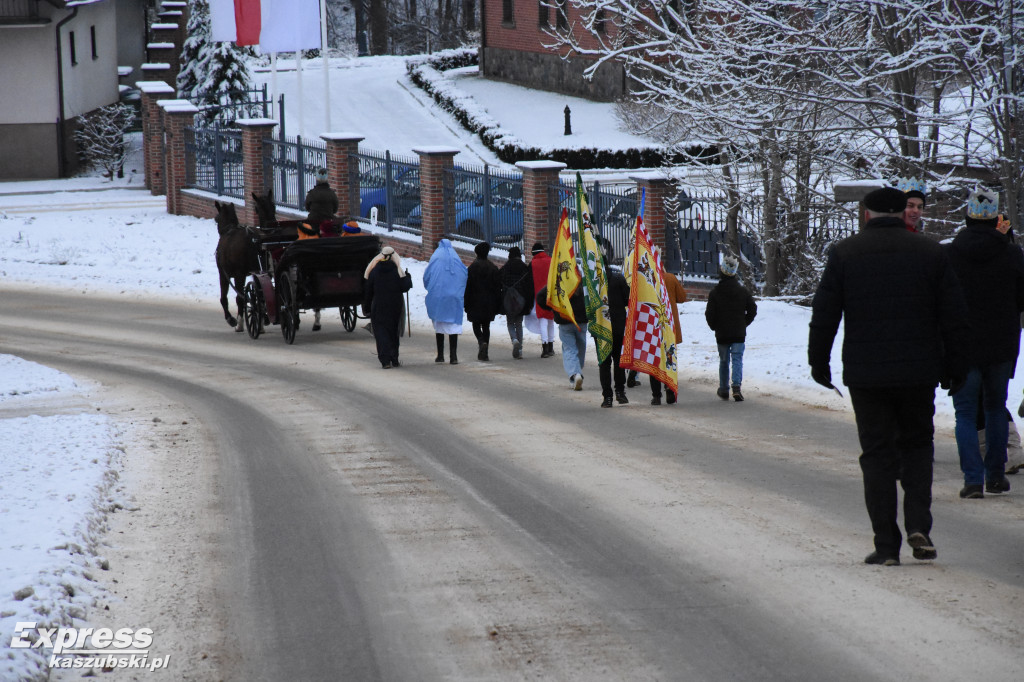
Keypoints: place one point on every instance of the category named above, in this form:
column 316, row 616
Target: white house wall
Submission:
column 92, row 83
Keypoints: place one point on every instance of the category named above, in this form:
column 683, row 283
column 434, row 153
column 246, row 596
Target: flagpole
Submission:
column 298, row 76
column 327, row 70
column 273, row 80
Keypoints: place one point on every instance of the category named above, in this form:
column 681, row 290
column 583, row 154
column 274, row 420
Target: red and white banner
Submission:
column 274, row 25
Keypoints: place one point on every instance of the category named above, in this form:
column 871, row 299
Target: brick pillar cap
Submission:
column 155, row 66
column 650, row 176
column 153, row 87
column 343, row 137
column 178, row 106
column 164, row 27
column 160, row 46
column 436, row 150
column 540, row 165
column 255, row 122
column 855, row 190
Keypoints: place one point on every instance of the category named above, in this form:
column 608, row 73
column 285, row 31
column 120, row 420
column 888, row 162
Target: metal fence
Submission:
column 213, row 160
column 613, row 210
column 391, row 185
column 484, row 204
column 292, row 167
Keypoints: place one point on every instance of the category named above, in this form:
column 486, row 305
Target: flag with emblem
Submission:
column 595, row 281
column 563, row 275
column 648, row 345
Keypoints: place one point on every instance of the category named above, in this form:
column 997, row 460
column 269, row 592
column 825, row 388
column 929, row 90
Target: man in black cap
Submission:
column 905, row 330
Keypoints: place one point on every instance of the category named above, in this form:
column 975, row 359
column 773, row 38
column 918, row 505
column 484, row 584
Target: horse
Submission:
column 266, row 209
column 236, row 257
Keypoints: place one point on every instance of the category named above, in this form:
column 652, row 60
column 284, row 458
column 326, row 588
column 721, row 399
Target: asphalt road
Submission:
column 484, row 522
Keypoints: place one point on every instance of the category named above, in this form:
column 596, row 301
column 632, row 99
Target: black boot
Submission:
column 482, row 353
column 440, row 347
column 453, row 344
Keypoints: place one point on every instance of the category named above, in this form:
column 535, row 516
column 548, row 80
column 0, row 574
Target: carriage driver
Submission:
column 321, row 203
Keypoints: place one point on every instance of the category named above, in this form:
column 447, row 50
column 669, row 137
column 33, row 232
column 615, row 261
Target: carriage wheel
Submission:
column 348, row 317
column 253, row 313
column 289, row 315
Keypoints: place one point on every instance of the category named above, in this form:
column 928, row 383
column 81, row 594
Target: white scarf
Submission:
column 387, row 253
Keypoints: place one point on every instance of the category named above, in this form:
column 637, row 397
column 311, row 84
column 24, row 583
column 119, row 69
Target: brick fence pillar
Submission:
column 538, row 176
column 255, row 133
column 434, row 161
column 153, row 132
column 165, row 47
column 658, row 188
column 343, row 170
column 177, row 115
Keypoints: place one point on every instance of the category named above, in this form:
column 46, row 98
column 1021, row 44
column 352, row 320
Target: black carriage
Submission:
column 308, row 274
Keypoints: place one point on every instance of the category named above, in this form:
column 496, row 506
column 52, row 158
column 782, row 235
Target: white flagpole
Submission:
column 273, row 85
column 326, row 66
column 298, row 76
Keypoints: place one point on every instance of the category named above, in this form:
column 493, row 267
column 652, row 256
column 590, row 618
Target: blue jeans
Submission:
column 725, row 352
column 574, row 348
column 989, row 383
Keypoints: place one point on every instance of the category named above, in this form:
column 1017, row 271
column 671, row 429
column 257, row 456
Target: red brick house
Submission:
column 513, row 49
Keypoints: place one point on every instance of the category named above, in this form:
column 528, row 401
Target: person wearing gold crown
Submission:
column 991, row 272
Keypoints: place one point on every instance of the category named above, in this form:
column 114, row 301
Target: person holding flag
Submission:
column 564, row 297
column 606, row 295
column 648, row 344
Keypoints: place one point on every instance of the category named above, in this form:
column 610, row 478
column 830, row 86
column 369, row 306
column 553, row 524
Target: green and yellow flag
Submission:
column 563, row 275
column 595, row 281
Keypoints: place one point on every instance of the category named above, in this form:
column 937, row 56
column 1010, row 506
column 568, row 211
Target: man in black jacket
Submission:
column 905, row 333
column 991, row 270
column 618, row 299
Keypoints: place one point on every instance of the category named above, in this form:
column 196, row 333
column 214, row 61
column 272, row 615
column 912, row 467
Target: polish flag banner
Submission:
column 274, row 25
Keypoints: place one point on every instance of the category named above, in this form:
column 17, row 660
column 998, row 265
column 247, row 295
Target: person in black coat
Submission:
column 618, row 299
column 730, row 310
column 515, row 274
column 321, row 201
column 386, row 281
column 905, row 332
column 991, row 270
column 483, row 297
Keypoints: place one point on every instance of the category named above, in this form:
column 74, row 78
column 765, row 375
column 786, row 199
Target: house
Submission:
column 513, row 48
column 60, row 61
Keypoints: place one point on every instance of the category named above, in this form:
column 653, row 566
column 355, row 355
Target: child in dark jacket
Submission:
column 730, row 311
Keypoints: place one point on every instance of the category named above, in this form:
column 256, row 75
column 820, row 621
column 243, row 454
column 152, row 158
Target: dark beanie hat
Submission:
column 482, row 249
column 538, row 247
column 515, row 253
column 886, row 200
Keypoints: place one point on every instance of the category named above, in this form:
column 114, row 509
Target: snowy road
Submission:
column 318, row 518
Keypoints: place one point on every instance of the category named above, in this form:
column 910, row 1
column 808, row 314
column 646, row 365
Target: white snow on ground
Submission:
column 91, row 235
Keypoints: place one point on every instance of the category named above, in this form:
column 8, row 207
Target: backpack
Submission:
column 512, row 301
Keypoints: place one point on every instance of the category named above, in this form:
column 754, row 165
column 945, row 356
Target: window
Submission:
column 92, row 38
column 561, row 18
column 507, row 17
column 599, row 21
column 542, row 14
column 71, row 48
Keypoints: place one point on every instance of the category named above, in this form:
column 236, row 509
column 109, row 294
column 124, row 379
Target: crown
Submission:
column 911, row 185
column 982, row 204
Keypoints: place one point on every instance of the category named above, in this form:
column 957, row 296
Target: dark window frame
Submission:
column 562, row 14
column 92, row 38
column 543, row 15
column 72, row 54
column 508, row 16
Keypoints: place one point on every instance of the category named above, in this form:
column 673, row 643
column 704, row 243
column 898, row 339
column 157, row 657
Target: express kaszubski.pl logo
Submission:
column 90, row 647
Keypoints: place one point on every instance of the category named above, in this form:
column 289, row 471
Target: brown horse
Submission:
column 266, row 209
column 236, row 258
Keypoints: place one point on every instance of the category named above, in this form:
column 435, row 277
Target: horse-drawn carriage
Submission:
column 296, row 275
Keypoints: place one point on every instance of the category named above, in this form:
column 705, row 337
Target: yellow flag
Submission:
column 648, row 344
column 563, row 275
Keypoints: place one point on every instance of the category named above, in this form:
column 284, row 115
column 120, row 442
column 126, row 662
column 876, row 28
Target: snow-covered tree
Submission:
column 214, row 75
column 101, row 138
column 791, row 93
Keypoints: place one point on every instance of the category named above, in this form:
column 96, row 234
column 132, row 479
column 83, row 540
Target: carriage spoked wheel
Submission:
column 254, row 310
column 348, row 317
column 289, row 315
